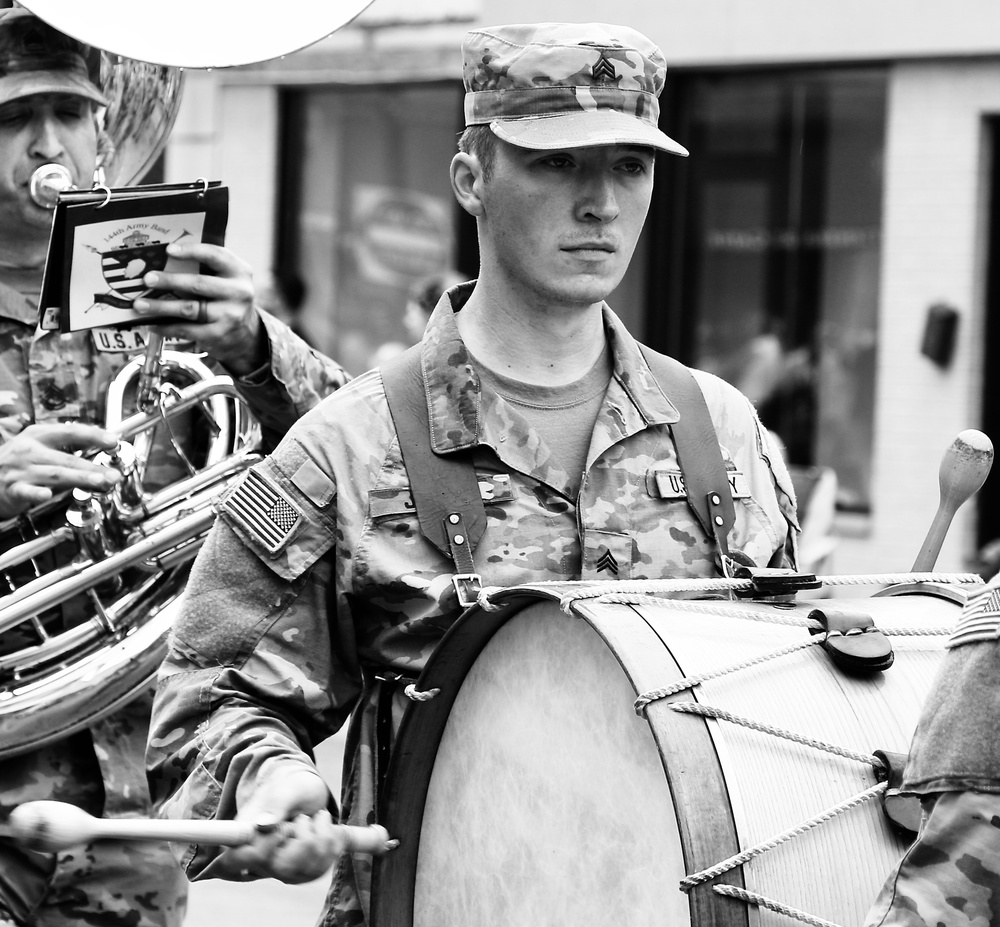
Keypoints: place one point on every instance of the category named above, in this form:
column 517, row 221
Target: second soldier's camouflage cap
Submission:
column 35, row 58
column 565, row 85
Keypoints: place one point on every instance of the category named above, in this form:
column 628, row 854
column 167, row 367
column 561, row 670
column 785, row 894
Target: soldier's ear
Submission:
column 467, row 182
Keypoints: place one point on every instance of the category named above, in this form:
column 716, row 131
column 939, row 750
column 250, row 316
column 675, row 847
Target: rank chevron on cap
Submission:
column 604, row 70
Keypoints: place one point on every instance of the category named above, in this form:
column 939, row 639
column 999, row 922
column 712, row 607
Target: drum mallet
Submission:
column 50, row 826
column 964, row 468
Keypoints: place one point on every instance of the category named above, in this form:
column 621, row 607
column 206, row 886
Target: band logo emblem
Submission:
column 124, row 267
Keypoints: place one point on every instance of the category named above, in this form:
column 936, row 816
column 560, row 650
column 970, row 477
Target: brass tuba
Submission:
column 116, row 563
column 124, row 553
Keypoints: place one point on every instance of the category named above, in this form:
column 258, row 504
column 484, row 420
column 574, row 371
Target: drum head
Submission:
column 546, row 789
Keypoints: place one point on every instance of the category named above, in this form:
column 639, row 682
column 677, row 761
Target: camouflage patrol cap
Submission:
column 35, row 58
column 565, row 85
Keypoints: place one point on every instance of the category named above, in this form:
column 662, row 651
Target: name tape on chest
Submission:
column 494, row 488
column 670, row 484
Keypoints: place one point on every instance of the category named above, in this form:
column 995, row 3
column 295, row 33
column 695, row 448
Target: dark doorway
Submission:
column 988, row 498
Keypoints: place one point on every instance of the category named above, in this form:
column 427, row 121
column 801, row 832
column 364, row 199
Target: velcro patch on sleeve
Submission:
column 264, row 512
column 314, row 484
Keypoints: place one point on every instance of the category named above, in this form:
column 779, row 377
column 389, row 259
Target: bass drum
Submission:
column 533, row 789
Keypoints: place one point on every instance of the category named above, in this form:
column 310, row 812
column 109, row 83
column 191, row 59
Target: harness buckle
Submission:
column 467, row 588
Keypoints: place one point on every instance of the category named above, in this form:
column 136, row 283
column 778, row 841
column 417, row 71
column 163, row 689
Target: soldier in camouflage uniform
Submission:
column 52, row 391
column 316, row 584
column 950, row 875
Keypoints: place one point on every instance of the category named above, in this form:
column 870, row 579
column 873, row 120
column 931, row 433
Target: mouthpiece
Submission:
column 47, row 182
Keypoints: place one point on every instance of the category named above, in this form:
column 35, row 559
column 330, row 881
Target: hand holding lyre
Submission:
column 296, row 794
column 40, row 461
column 215, row 310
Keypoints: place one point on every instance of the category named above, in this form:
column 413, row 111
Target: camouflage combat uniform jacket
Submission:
column 52, row 377
column 326, row 582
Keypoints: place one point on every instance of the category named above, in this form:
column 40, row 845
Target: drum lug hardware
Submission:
column 771, row 581
column 851, row 639
column 903, row 811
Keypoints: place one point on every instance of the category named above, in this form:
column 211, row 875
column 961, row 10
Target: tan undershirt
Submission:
column 563, row 415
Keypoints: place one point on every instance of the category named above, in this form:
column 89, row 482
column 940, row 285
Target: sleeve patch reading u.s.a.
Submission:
column 263, row 512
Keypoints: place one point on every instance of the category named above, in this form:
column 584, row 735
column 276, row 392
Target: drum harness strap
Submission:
column 446, row 493
column 450, row 510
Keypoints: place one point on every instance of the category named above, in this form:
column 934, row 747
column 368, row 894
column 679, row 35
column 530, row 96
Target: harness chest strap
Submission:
column 706, row 481
column 445, row 489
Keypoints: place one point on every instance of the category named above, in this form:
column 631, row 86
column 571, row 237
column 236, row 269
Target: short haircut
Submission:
column 480, row 141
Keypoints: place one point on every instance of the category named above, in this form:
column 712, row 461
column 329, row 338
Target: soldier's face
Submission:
column 562, row 225
column 44, row 128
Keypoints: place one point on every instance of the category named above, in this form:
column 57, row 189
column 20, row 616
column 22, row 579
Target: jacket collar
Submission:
column 453, row 389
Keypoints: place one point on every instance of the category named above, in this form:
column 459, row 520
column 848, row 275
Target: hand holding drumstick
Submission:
column 296, row 850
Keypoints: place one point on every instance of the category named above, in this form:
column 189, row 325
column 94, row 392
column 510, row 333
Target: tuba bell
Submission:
column 93, row 581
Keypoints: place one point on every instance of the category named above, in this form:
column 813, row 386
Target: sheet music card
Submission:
column 103, row 243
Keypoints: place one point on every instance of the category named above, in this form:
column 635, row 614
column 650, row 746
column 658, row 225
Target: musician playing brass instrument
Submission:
column 52, row 389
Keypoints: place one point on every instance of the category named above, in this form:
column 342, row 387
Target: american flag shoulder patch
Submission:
column 980, row 619
column 266, row 514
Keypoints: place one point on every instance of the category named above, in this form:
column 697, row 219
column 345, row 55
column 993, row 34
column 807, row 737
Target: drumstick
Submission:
column 964, row 468
column 49, row 826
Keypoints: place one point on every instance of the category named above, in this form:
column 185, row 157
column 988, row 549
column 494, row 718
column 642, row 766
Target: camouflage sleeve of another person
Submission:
column 254, row 676
column 788, row 557
column 296, row 380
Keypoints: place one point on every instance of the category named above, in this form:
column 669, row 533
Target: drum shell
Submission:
column 529, row 791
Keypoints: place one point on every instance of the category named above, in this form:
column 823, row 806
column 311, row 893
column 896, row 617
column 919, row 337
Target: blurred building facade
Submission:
column 831, row 245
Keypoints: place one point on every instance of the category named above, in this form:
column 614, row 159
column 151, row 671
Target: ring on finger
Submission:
column 202, row 316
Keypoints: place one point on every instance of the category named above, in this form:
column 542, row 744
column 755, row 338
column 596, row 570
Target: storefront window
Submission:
column 372, row 209
column 778, row 215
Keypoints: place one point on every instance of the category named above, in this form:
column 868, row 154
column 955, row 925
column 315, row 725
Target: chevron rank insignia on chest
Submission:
column 607, row 563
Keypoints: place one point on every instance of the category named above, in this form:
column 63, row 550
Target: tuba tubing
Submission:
column 99, row 682
column 212, row 388
column 132, row 547
column 49, row 591
column 34, row 548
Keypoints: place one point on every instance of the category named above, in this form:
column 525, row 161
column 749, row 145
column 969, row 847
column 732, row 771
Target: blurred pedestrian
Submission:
column 421, row 298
